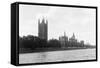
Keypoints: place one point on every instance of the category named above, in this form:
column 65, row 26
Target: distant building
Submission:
column 63, row 40
column 43, row 29
column 73, row 39
column 82, row 43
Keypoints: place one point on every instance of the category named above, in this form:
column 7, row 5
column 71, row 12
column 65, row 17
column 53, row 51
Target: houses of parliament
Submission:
column 43, row 33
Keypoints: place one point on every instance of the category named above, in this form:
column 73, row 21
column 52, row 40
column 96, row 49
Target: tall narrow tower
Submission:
column 43, row 29
column 73, row 37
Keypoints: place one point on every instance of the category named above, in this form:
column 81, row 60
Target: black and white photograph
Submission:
column 56, row 34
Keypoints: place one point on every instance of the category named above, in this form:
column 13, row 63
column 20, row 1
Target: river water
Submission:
column 55, row 56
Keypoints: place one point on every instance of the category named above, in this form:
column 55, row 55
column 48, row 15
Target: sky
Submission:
column 80, row 21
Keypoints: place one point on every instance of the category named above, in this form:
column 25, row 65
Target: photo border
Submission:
column 58, row 5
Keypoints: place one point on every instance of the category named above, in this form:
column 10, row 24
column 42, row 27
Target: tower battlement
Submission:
column 43, row 29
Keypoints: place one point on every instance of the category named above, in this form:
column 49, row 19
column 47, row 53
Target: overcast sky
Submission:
column 80, row 21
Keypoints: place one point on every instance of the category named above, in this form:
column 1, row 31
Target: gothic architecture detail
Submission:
column 73, row 39
column 43, row 29
column 63, row 40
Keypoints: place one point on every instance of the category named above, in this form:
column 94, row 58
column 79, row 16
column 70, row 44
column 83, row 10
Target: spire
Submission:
column 64, row 33
column 39, row 21
column 43, row 20
column 46, row 21
column 73, row 36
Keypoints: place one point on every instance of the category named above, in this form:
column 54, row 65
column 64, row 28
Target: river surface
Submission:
column 55, row 56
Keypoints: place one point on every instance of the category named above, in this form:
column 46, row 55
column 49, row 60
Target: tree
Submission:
column 54, row 43
column 32, row 42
